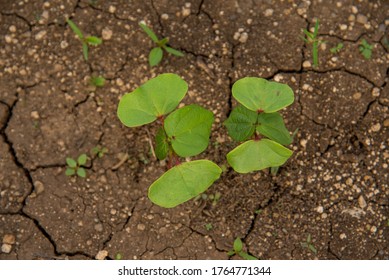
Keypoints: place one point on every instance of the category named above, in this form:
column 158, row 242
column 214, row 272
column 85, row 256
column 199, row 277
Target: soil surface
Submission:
column 333, row 189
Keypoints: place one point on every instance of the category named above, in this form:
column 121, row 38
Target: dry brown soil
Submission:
column 334, row 188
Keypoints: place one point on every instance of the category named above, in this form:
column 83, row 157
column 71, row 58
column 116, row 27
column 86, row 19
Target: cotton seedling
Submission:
column 311, row 38
column 76, row 167
column 156, row 54
column 255, row 118
column 238, row 250
column 85, row 40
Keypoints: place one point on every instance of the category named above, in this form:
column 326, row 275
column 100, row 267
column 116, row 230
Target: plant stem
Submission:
column 315, row 53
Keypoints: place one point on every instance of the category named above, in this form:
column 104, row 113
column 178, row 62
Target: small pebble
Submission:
column 354, row 9
column 185, row 12
column 307, row 64
column 40, row 35
column 375, row 127
column 362, row 202
column 357, row 95
column 35, row 115
column 99, row 227
column 39, row 187
column 342, row 236
column 320, row 209
column 101, row 255
column 386, row 122
column 106, row 34
column 12, row 28
column 141, row 227
column 165, row 16
column 6, row 248
column 243, row 37
column 8, row 39
column 268, row 12
column 112, row 9
column 373, row 229
column 9, row 239
column 362, row 19
column 343, row 27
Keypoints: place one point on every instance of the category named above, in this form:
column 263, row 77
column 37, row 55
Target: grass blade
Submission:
column 149, row 32
column 173, row 51
column 93, row 40
column 75, row 29
column 85, row 50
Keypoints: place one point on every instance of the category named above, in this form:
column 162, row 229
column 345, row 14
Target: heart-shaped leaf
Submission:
column 272, row 125
column 155, row 98
column 257, row 155
column 183, row 182
column 259, row 95
column 161, row 144
column 188, row 129
column 241, row 123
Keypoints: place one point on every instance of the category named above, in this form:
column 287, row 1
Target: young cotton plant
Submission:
column 258, row 116
column 183, row 132
column 156, row 54
column 85, row 40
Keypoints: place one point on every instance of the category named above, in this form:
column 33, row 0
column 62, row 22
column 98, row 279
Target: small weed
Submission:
column 97, row 81
column 99, row 151
column 365, row 49
column 118, row 256
column 337, row 48
column 259, row 211
column 214, row 198
column 208, row 226
column 76, row 167
column 156, row 54
column 85, row 41
column 311, row 38
column 308, row 244
column 238, row 250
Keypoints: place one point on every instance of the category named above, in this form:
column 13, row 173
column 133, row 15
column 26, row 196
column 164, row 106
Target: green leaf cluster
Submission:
column 238, row 250
column 337, row 48
column 257, row 115
column 366, row 49
column 76, row 167
column 85, row 40
column 156, row 53
column 183, row 132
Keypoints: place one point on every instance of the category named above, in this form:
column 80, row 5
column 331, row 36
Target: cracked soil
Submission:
column 334, row 188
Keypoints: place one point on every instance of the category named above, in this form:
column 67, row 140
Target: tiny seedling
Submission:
column 308, row 244
column 97, row 81
column 238, row 250
column 85, row 40
column 365, row 49
column 337, row 48
column 183, row 132
column 214, row 198
column 311, row 38
column 76, row 167
column 257, row 116
column 99, row 151
column 118, row 256
column 156, row 54
column 208, row 226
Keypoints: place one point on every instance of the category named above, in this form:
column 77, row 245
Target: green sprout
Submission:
column 337, row 48
column 97, row 81
column 311, row 38
column 99, row 151
column 238, row 250
column 257, row 116
column 208, row 226
column 365, row 49
column 118, row 256
column 308, row 244
column 76, row 167
column 85, row 40
column 156, row 54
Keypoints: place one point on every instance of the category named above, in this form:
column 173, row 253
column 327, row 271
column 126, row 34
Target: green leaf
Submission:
column 162, row 144
column 81, row 172
column 71, row 162
column 75, row 29
column 82, row 159
column 149, row 32
column 70, row 171
column 155, row 98
column 248, row 257
column 93, row 40
column 258, row 94
column 312, row 248
column 231, row 253
column 241, row 123
column 272, row 125
column 188, row 129
column 163, row 42
column 173, row 51
column 155, row 56
column 85, row 50
column 257, row 155
column 183, row 182
column 238, row 245
column 98, row 81
column 316, row 29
